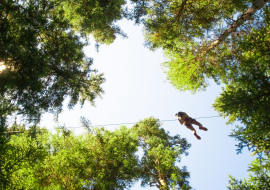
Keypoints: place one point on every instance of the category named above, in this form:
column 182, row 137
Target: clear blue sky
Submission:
column 135, row 89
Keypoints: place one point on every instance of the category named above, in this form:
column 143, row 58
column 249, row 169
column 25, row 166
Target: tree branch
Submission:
column 180, row 12
column 258, row 4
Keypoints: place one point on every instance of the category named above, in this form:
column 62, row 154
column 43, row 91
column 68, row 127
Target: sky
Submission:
column 136, row 88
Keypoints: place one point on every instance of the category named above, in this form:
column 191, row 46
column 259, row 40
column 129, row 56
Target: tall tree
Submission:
column 41, row 54
column 160, row 154
column 99, row 159
column 103, row 160
column 247, row 94
column 227, row 41
column 195, row 35
column 19, row 155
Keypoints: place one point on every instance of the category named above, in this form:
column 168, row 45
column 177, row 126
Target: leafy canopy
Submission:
column 246, row 96
column 226, row 41
column 41, row 55
column 197, row 35
column 99, row 159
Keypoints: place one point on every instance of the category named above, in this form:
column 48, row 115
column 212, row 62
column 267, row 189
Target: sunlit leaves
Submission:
column 160, row 154
column 185, row 30
column 99, row 159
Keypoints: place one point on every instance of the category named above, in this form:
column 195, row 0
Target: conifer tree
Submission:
column 226, row 41
column 258, row 178
column 41, row 55
column 160, row 154
column 197, row 36
column 246, row 95
column 99, row 159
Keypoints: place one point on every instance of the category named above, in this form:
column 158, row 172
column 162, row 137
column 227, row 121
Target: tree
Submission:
column 258, row 177
column 246, row 95
column 248, row 104
column 196, row 36
column 42, row 45
column 160, row 153
column 4, row 180
column 99, row 159
column 103, row 160
column 19, row 155
column 227, row 41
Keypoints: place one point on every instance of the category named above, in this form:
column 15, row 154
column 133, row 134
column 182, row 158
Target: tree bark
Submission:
column 244, row 17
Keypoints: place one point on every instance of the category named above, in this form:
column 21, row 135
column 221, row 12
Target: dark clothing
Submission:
column 193, row 121
column 188, row 121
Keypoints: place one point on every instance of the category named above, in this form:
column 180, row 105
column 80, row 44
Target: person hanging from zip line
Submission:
column 183, row 118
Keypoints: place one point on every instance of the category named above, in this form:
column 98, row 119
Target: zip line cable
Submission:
column 109, row 124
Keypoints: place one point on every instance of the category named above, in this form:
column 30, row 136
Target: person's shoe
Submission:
column 197, row 136
column 203, row 128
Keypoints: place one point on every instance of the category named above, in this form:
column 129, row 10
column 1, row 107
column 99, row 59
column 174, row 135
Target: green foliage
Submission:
column 184, row 29
column 248, row 104
column 160, row 153
column 42, row 45
column 246, row 96
column 3, row 149
column 6, row 108
column 20, row 156
column 187, row 31
column 94, row 17
column 258, row 178
column 104, row 160
column 100, row 159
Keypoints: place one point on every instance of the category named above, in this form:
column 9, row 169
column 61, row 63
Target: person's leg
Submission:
column 199, row 124
column 194, row 131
